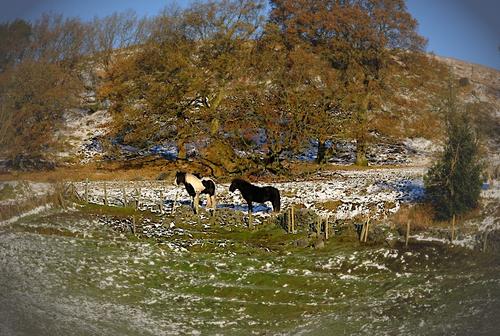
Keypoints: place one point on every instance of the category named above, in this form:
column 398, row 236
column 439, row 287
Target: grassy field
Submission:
column 79, row 272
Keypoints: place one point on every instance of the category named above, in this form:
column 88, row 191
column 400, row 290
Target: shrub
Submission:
column 453, row 184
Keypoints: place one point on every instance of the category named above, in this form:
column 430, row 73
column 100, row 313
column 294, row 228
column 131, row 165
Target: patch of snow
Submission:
column 31, row 212
column 82, row 132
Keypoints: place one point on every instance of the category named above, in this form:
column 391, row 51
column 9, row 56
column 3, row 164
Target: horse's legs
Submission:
column 209, row 201
column 276, row 204
column 275, row 200
column 196, row 203
column 250, row 207
column 213, row 202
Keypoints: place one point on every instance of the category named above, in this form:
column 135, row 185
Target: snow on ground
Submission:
column 422, row 150
column 82, row 132
column 415, row 151
column 92, row 281
column 22, row 190
column 374, row 192
column 31, row 212
column 361, row 194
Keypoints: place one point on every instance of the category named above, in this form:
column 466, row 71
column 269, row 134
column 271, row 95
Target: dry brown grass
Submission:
column 421, row 217
column 428, row 125
column 110, row 171
column 330, row 205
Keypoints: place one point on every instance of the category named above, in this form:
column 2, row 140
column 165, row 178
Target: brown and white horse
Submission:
column 195, row 185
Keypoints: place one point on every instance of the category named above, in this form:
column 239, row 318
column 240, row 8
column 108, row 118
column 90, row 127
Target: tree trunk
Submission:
column 181, row 149
column 362, row 131
column 222, row 159
column 272, row 158
column 321, row 157
column 361, row 153
column 272, row 161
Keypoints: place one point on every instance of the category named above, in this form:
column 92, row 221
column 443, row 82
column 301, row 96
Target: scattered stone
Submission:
column 303, row 242
column 319, row 244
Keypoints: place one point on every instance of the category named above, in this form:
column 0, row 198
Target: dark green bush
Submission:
column 453, row 184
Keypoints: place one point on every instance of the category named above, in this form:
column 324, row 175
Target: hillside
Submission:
column 486, row 80
column 84, row 129
column 125, row 143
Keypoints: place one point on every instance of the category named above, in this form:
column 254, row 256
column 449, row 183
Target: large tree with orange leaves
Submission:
column 358, row 38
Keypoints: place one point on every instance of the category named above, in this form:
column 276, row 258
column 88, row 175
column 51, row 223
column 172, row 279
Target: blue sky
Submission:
column 463, row 29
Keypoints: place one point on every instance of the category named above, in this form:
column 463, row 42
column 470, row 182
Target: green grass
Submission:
column 7, row 192
column 92, row 208
column 258, row 282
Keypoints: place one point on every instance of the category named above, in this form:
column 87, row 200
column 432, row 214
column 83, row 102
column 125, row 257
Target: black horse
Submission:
column 252, row 193
column 195, row 185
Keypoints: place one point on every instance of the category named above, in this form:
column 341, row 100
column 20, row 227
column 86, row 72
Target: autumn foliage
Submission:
column 231, row 76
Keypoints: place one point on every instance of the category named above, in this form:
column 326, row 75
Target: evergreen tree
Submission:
column 453, row 184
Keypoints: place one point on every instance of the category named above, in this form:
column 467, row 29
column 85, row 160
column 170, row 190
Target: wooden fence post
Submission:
column 161, row 201
column 105, row 194
column 174, row 203
column 326, row 226
column 124, row 197
column 485, row 238
column 407, row 233
column 292, row 215
column 363, row 229
column 250, row 220
column 87, row 190
column 60, row 195
column 367, row 229
column 288, row 220
column 137, row 195
column 453, row 229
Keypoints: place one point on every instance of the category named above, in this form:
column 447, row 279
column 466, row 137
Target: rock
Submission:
column 376, row 234
column 347, row 233
column 319, row 244
column 303, row 242
column 162, row 176
column 492, row 241
column 25, row 163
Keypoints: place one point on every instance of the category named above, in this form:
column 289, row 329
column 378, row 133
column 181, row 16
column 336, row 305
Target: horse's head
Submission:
column 180, row 177
column 233, row 186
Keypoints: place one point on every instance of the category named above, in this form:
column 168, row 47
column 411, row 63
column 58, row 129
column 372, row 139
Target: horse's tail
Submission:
column 276, row 200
